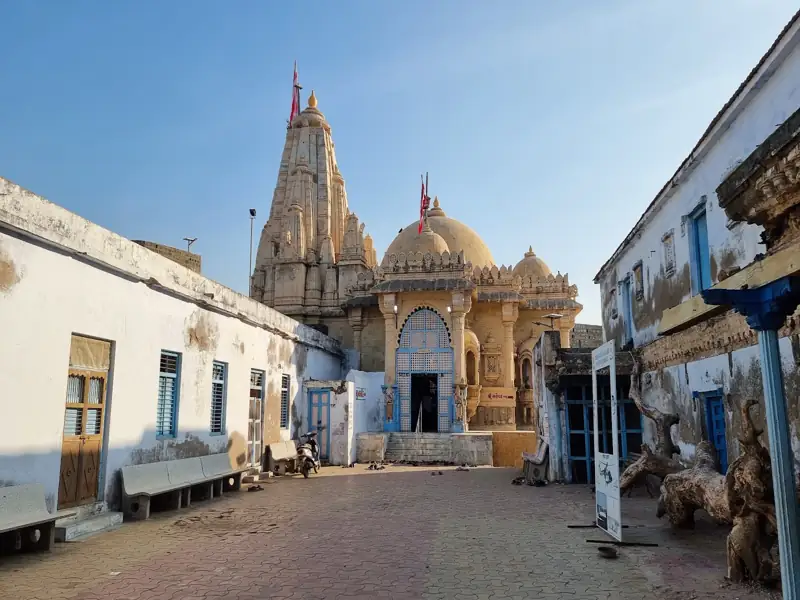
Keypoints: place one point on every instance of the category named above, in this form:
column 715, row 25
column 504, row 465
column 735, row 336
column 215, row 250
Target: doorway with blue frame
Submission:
column 579, row 407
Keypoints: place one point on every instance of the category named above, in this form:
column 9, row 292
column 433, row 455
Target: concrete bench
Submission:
column 25, row 522
column 226, row 477
column 534, row 466
column 282, row 456
column 176, row 481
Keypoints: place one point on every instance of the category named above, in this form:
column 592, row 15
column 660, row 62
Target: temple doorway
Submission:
column 424, row 402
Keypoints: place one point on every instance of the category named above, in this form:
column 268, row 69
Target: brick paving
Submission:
column 399, row 533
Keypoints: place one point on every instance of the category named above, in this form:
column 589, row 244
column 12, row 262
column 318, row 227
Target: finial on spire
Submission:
column 436, row 202
column 530, row 252
column 530, row 248
column 312, row 100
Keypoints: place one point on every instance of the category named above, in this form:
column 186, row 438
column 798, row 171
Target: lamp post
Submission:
column 553, row 318
column 250, row 273
column 189, row 241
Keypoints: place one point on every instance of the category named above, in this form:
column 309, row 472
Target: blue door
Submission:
column 627, row 312
column 319, row 419
column 700, row 252
column 715, row 421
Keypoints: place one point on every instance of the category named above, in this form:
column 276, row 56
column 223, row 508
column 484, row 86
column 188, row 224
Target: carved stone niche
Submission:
column 492, row 354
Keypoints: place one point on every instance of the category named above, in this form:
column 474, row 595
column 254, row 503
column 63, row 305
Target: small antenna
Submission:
column 189, row 241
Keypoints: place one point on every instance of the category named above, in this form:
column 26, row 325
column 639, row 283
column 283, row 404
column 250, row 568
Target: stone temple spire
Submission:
column 310, row 227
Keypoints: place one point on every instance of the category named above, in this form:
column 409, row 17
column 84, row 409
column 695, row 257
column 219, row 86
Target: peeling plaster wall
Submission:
column 738, row 375
column 369, row 408
column 771, row 102
column 71, row 276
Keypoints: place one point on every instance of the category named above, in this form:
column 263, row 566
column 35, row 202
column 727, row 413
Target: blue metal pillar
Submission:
column 766, row 309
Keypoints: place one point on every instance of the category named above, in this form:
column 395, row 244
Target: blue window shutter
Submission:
column 218, row 397
column 703, row 254
column 285, row 383
column 168, row 390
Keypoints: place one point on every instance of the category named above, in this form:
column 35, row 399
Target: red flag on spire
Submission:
column 295, row 96
column 424, row 202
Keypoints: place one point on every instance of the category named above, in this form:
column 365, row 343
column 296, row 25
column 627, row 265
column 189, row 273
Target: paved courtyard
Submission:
column 399, row 533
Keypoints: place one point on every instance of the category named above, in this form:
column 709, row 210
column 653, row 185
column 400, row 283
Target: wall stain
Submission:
column 190, row 447
column 300, row 359
column 665, row 292
column 9, row 276
column 202, row 331
column 746, row 383
column 297, row 422
column 272, row 413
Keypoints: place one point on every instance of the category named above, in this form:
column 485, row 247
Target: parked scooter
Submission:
column 308, row 454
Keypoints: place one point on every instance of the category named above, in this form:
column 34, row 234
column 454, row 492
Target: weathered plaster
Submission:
column 81, row 278
column 9, row 276
column 771, row 97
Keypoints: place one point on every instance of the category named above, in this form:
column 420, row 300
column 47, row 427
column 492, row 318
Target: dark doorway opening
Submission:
column 424, row 402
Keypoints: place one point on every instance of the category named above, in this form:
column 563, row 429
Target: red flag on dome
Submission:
column 424, row 202
column 295, row 96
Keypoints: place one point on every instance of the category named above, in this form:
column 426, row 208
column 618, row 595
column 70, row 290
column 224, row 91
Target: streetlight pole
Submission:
column 250, row 273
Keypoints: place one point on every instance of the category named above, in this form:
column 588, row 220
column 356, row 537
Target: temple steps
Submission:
column 419, row 447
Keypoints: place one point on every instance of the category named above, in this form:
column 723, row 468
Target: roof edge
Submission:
column 720, row 119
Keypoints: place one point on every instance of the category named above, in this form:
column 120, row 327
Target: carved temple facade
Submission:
column 452, row 331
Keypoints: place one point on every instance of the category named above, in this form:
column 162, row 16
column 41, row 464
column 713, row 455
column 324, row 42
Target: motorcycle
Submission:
column 308, row 454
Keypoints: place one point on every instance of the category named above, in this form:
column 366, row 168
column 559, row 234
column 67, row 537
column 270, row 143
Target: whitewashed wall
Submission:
column 370, row 408
column 766, row 103
column 61, row 274
column 738, row 374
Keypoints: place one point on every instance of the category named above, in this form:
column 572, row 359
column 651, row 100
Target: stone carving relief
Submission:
column 492, row 359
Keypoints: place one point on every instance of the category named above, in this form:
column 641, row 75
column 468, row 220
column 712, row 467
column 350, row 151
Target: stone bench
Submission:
column 176, row 481
column 534, row 466
column 282, row 456
column 25, row 522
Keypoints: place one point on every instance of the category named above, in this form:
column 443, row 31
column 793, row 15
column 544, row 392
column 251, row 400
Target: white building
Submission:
column 113, row 355
column 684, row 243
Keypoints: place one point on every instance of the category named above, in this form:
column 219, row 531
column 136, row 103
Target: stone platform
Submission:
column 425, row 448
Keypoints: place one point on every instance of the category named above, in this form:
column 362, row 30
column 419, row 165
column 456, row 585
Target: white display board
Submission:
column 606, row 466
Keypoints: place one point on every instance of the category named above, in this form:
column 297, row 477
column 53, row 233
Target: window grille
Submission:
column 168, row 390
column 285, row 385
column 218, row 397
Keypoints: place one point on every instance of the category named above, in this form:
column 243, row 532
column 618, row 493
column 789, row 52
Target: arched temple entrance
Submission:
column 424, row 367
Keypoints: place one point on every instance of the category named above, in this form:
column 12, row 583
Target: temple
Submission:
column 452, row 331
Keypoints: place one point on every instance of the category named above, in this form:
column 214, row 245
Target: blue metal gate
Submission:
column 424, row 347
column 580, row 429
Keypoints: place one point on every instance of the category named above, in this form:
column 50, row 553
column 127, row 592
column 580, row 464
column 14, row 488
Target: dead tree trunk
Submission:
column 700, row 486
column 752, row 506
column 658, row 462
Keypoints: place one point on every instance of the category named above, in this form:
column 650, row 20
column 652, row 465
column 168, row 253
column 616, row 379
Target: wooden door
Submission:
column 82, row 445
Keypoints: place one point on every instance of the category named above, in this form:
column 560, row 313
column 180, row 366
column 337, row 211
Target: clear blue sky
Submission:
column 551, row 124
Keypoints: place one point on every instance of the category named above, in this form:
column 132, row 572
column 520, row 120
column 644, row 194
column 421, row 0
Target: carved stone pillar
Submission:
column 354, row 318
column 510, row 313
column 565, row 337
column 387, row 306
column 461, row 305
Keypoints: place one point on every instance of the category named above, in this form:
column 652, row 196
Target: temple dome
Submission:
column 531, row 265
column 456, row 236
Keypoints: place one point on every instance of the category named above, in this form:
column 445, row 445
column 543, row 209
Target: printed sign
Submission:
column 606, row 466
column 361, row 394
